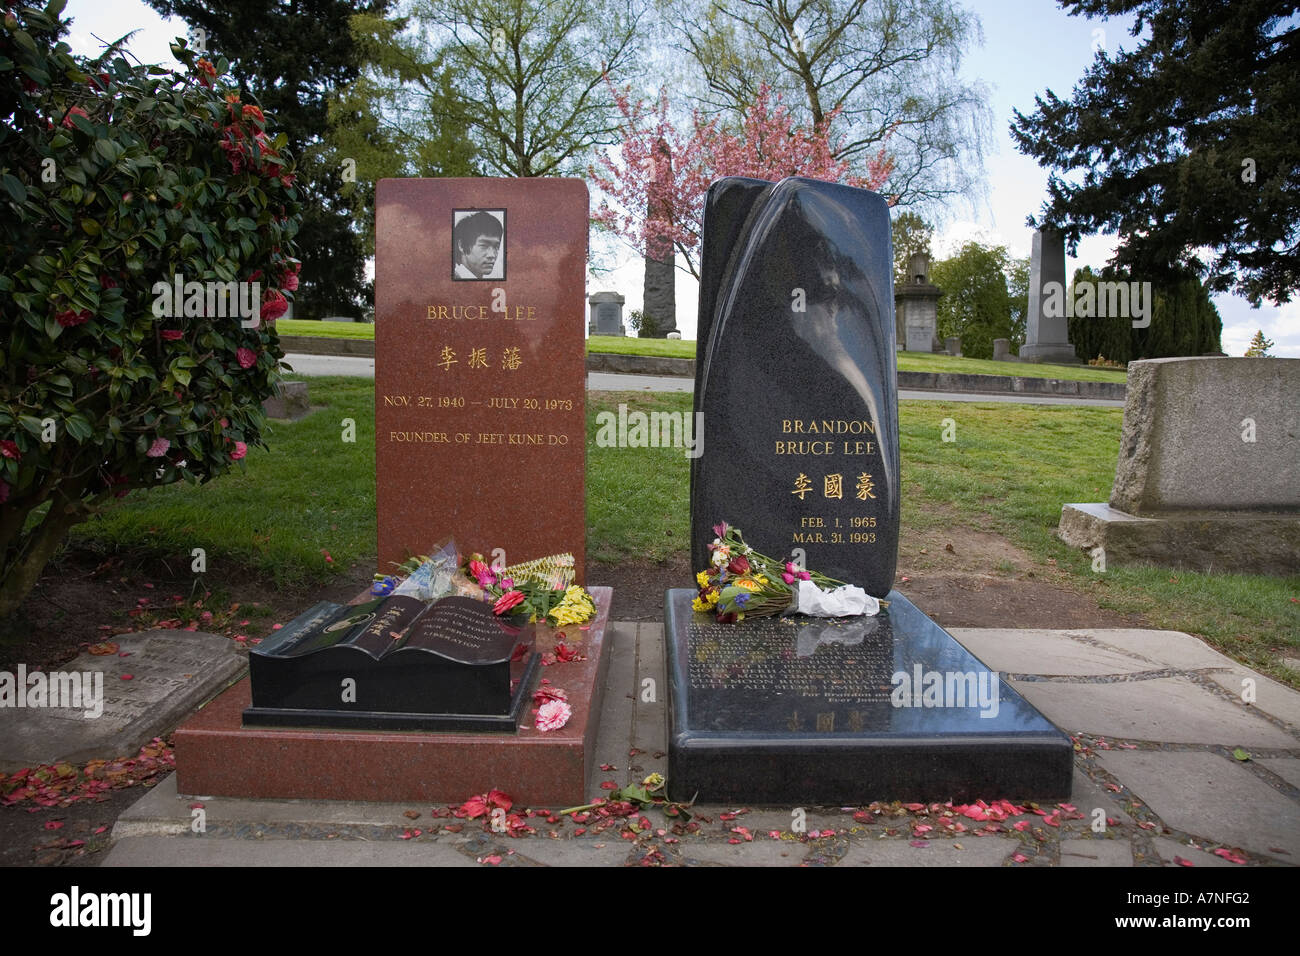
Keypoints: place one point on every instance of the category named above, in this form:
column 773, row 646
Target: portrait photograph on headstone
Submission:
column 478, row 241
column 629, row 434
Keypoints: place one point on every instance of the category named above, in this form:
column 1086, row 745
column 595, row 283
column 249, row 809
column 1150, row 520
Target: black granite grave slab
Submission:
column 796, row 378
column 803, row 710
column 392, row 664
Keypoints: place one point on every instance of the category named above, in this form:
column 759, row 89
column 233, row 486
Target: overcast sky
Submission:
column 1029, row 47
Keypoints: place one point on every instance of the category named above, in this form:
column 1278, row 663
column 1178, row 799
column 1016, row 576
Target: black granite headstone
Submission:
column 393, row 664
column 796, row 380
column 804, row 709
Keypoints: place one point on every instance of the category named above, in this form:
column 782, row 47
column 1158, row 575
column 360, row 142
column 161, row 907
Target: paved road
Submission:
column 609, row 381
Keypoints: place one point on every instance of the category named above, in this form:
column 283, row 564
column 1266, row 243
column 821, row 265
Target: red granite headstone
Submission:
column 480, row 379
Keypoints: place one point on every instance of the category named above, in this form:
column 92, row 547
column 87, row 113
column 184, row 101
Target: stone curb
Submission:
column 319, row 345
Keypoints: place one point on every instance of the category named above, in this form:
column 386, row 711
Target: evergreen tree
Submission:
column 1185, row 143
column 290, row 57
column 1259, row 346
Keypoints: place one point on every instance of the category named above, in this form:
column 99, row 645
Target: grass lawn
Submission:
column 326, row 330
column 619, row 345
column 920, row 362
column 310, row 494
column 1008, row 472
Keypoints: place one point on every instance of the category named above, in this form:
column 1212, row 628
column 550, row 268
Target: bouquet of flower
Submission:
column 543, row 589
column 740, row 581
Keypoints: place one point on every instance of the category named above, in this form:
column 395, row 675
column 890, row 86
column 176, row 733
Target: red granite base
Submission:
column 217, row 756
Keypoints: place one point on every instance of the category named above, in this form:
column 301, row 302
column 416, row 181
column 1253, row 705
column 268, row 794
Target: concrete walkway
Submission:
column 1157, row 716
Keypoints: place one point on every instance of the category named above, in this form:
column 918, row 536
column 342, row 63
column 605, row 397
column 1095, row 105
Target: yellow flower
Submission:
column 712, row 597
column 747, row 583
column 703, row 579
column 698, row 605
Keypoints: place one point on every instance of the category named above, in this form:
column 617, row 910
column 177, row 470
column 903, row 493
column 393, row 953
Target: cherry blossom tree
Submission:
column 655, row 184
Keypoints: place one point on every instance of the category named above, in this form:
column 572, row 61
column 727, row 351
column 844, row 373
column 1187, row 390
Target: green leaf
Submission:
column 14, row 187
column 90, row 227
column 1240, row 754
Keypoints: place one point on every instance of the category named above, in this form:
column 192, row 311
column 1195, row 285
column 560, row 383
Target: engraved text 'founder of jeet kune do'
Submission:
column 478, row 244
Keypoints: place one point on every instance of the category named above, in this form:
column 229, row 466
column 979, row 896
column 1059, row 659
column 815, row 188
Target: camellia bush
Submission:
column 147, row 243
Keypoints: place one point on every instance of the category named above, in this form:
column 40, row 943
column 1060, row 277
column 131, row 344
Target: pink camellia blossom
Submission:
column 69, row 319
column 225, row 423
column 171, row 335
column 75, row 111
column 274, row 305
column 247, row 358
column 158, row 448
column 9, row 449
column 290, row 282
column 553, row 715
column 240, row 451
column 507, row 601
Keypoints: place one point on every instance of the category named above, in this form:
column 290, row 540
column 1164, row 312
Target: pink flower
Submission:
column 274, row 305
column 240, row 451
column 247, row 358
column 10, row 450
column 553, row 715
column 75, row 111
column 290, row 282
column 171, row 335
column 225, row 423
column 507, row 601
column 68, row 319
column 483, row 574
column 158, row 448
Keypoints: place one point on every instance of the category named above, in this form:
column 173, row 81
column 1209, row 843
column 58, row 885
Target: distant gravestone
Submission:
column 1207, row 472
column 917, row 304
column 480, row 380
column 797, row 388
column 606, row 313
column 1047, row 335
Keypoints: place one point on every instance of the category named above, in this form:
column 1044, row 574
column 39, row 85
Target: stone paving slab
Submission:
column 1115, row 852
column 1195, row 855
column 1087, row 795
column 154, row 680
column 1288, row 768
column 1213, row 798
column 759, row 853
column 1040, row 651
column 1165, row 648
column 1167, row 709
column 201, row 851
column 975, row 851
column 1272, row 698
